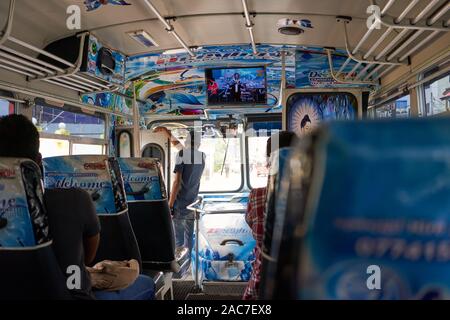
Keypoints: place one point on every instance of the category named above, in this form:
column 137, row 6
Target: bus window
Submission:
column 125, row 144
column 257, row 133
column 152, row 150
column 223, row 169
column 59, row 121
column 436, row 95
column 6, row 106
column 68, row 132
column 54, row 147
column 398, row 108
column 257, row 161
column 83, row 149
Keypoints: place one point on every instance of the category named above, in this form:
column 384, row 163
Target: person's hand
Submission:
column 161, row 129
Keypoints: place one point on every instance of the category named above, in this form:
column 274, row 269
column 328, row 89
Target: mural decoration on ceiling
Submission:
column 92, row 5
column 175, row 84
column 306, row 111
column 312, row 68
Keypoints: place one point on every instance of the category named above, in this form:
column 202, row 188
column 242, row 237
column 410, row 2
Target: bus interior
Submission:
column 363, row 85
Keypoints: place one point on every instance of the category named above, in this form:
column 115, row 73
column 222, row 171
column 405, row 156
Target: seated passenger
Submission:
column 72, row 217
column 255, row 216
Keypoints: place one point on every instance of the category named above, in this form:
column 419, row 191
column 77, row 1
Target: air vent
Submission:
column 143, row 38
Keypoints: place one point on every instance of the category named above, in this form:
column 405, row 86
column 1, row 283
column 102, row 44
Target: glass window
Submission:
column 223, row 171
column 257, row 161
column 83, row 149
column 125, row 144
column 54, row 147
column 437, row 94
column 6, row 107
column 399, row 108
column 63, row 122
column 223, row 164
column 257, row 133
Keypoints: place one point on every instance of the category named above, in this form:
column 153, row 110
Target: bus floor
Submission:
column 184, row 289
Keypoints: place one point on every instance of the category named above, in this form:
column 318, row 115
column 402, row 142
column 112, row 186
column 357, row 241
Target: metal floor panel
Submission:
column 185, row 290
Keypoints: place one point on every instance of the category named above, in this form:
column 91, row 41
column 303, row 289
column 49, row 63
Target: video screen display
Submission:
column 236, row 86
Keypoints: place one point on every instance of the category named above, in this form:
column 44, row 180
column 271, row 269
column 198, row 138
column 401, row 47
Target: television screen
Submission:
column 237, row 86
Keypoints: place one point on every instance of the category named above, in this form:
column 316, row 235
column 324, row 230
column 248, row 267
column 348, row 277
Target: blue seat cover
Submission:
column 379, row 196
column 24, row 220
column 142, row 179
column 98, row 175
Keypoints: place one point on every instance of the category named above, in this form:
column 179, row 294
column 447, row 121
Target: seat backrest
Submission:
column 375, row 222
column 274, row 221
column 102, row 178
column 149, row 211
column 28, row 266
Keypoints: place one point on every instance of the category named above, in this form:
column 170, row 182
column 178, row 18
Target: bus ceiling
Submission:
column 45, row 45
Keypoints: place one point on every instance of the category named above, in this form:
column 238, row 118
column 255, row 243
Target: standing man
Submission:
column 189, row 166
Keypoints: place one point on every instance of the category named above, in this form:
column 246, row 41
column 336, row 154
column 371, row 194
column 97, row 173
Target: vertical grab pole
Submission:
column 197, row 219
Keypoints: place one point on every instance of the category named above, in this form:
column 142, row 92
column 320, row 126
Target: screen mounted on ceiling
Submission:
column 236, row 86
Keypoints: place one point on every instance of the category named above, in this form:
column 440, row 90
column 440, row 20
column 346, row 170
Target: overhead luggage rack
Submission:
column 370, row 67
column 54, row 69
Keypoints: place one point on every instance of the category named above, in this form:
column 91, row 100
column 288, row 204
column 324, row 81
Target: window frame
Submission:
column 119, row 133
column 251, row 119
column 169, row 150
column 422, row 96
column 11, row 97
column 394, row 113
column 74, row 139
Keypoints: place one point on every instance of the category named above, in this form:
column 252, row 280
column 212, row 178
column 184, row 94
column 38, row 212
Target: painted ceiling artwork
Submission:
column 175, row 84
column 312, row 68
column 92, row 5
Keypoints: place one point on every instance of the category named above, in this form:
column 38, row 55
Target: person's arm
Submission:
column 91, row 232
column 175, row 142
column 90, row 248
column 175, row 188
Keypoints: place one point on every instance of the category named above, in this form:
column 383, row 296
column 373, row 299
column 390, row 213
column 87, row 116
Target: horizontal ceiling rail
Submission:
column 48, row 96
column 169, row 28
column 343, row 80
column 387, row 58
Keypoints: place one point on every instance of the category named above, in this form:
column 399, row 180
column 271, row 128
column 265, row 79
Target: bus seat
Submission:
column 149, row 213
column 375, row 223
column 101, row 177
column 28, row 267
column 274, row 218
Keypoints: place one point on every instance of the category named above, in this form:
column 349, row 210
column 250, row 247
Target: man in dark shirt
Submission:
column 189, row 166
column 73, row 221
